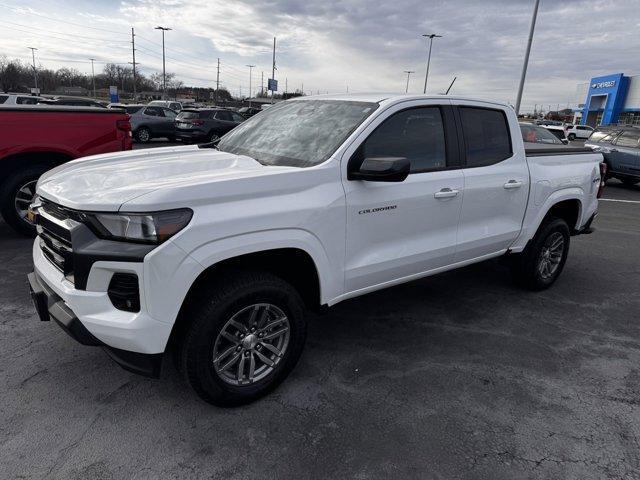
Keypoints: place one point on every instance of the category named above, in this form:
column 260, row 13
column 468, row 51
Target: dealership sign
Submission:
column 607, row 84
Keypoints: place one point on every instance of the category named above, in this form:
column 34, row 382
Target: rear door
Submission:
column 624, row 152
column 225, row 121
column 169, row 124
column 496, row 181
column 398, row 230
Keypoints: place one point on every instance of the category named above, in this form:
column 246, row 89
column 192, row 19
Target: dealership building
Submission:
column 609, row 99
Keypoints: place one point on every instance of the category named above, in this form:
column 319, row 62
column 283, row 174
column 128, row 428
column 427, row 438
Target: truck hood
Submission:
column 107, row 182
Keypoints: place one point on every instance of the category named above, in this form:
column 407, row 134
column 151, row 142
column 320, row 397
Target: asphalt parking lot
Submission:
column 461, row 375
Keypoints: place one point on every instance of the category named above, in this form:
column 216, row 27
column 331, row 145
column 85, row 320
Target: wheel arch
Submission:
column 46, row 158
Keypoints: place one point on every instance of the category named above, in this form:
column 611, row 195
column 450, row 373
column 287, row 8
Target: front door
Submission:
column 496, row 183
column 399, row 230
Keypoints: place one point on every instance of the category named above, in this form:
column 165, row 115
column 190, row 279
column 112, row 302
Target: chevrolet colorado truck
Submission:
column 214, row 252
column 36, row 138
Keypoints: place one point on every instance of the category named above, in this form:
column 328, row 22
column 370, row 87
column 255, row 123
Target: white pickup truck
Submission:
column 213, row 252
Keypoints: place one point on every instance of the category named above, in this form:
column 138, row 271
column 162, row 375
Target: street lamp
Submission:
column 93, row 77
column 164, row 72
column 526, row 56
column 430, row 36
column 408, row 72
column 35, row 73
column 250, row 68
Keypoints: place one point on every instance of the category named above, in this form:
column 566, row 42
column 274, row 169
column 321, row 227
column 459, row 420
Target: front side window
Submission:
column 169, row 113
column 628, row 139
column 236, row 117
column 298, row 133
column 224, row 116
column 416, row 134
column 26, row 100
column 154, row 112
column 486, row 136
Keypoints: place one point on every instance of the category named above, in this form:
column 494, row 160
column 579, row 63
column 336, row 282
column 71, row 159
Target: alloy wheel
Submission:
column 24, row 198
column 251, row 344
column 551, row 255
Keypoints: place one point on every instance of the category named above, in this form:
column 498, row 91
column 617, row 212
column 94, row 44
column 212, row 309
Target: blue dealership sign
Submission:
column 605, row 98
column 272, row 85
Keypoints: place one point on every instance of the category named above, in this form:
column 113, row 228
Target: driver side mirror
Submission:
column 380, row 169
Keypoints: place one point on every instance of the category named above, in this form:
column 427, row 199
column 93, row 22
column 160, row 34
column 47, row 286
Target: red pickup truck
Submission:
column 36, row 138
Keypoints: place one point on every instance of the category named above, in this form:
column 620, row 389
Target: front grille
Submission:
column 124, row 292
column 54, row 226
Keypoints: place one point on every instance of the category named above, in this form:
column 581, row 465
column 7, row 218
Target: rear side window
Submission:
column 154, row 111
column 224, row 115
column 3, row 98
column 628, row 139
column 416, row 134
column 486, row 136
column 132, row 110
column 557, row 133
column 186, row 115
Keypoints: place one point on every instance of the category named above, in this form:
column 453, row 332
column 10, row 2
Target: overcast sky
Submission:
column 330, row 45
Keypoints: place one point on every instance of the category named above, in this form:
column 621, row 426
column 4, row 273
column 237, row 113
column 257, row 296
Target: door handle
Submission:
column 446, row 193
column 512, row 184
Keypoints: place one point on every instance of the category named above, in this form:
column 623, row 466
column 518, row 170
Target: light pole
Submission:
column 250, row 68
column 93, row 77
column 430, row 36
column 35, row 72
column 408, row 72
column 164, row 72
column 526, row 56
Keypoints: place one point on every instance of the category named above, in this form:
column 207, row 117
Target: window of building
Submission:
column 416, row 134
column 486, row 136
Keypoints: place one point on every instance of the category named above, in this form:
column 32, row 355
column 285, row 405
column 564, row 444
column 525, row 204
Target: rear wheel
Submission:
column 246, row 336
column 542, row 261
column 16, row 194
column 143, row 135
column 214, row 137
column 571, row 137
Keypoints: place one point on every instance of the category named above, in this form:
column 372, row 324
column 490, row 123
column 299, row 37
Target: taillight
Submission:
column 603, row 179
column 123, row 125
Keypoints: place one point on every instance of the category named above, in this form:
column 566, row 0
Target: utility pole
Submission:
column 35, row 72
column 430, row 36
column 217, row 82
column 273, row 67
column 261, row 83
column 93, row 77
column 133, row 51
column 250, row 68
column 303, row 89
column 286, row 86
column 526, row 56
column 164, row 71
column 408, row 72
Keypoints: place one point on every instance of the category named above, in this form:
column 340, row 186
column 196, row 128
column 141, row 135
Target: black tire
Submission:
column 213, row 137
column 10, row 190
column 143, row 135
column 526, row 266
column 571, row 137
column 629, row 182
column 211, row 310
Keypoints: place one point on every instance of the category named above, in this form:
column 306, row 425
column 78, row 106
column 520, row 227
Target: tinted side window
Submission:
column 628, row 139
column 486, row 136
column 3, row 98
column 154, row 112
column 416, row 134
column 169, row 113
column 26, row 100
column 224, row 115
column 237, row 117
column 132, row 110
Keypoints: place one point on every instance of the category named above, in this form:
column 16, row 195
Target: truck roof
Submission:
column 392, row 98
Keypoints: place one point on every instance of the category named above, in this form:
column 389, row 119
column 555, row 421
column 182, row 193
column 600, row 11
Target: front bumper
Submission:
column 49, row 305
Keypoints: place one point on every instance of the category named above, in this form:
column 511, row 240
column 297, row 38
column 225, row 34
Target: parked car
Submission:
column 150, row 121
column 207, row 124
column 36, row 138
column 7, row 99
column 536, row 134
column 578, row 131
column 558, row 131
column 173, row 105
column 60, row 100
column 543, row 122
column 621, row 151
column 248, row 111
column 219, row 251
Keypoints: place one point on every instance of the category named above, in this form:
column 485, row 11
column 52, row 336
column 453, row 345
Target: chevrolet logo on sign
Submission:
column 608, row 84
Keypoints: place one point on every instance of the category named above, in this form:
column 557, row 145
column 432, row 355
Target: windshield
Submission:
column 533, row 134
column 298, row 133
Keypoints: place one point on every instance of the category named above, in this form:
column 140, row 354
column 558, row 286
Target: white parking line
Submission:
column 621, row 201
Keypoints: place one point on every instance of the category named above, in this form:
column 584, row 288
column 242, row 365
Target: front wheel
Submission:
column 143, row 135
column 16, row 194
column 246, row 335
column 542, row 261
column 571, row 137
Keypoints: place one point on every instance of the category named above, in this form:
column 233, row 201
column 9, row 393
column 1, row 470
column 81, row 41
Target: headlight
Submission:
column 153, row 227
